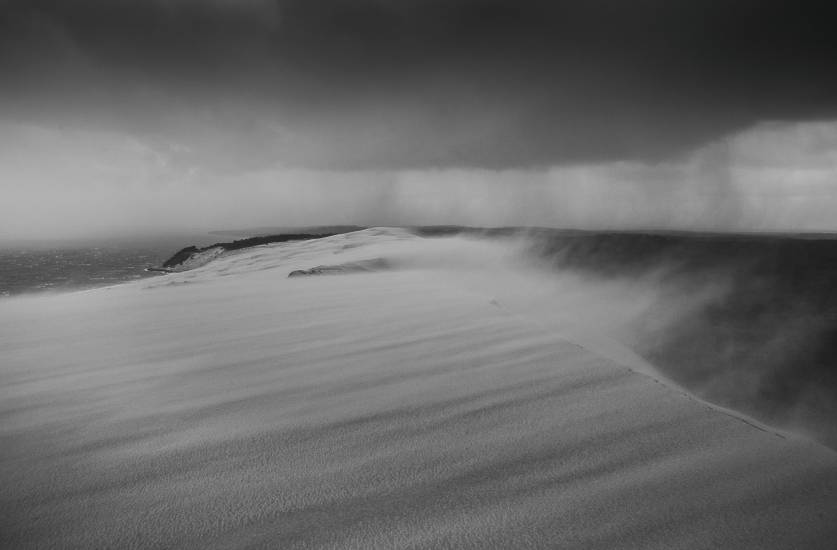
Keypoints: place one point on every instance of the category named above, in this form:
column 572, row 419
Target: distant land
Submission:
column 430, row 230
column 277, row 230
column 454, row 229
column 192, row 256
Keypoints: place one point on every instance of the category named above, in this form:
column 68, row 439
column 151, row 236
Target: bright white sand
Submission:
column 231, row 406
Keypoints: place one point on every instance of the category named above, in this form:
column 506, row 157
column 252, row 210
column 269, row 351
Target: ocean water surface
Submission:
column 59, row 266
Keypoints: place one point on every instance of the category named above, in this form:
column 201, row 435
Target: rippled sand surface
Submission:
column 232, row 406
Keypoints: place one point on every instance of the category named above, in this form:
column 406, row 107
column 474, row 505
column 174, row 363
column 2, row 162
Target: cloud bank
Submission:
column 136, row 115
column 774, row 177
column 366, row 84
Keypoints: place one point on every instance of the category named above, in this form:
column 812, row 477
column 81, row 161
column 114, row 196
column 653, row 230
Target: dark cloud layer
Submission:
column 411, row 84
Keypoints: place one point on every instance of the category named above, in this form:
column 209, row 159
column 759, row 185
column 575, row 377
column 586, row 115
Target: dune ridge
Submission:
column 413, row 407
column 744, row 320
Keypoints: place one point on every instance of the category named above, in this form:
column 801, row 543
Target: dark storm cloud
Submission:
column 397, row 84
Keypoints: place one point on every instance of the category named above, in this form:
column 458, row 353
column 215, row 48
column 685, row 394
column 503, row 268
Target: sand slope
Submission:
column 232, row 406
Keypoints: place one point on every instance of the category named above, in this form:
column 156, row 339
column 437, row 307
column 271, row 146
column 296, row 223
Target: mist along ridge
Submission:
column 747, row 321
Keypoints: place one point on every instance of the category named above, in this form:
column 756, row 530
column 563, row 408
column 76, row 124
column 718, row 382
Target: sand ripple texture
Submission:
column 232, row 406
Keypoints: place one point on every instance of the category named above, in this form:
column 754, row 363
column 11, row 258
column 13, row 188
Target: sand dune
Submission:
column 232, row 406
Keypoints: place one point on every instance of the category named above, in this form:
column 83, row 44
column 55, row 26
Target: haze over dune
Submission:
column 407, row 404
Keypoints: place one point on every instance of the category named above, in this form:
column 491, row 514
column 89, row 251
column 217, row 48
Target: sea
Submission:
column 60, row 266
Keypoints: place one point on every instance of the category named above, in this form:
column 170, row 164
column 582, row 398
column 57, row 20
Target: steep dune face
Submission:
column 747, row 321
column 232, row 406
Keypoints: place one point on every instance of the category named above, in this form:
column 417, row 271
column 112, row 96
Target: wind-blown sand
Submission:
column 232, row 406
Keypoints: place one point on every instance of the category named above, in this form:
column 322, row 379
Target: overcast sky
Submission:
column 135, row 116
